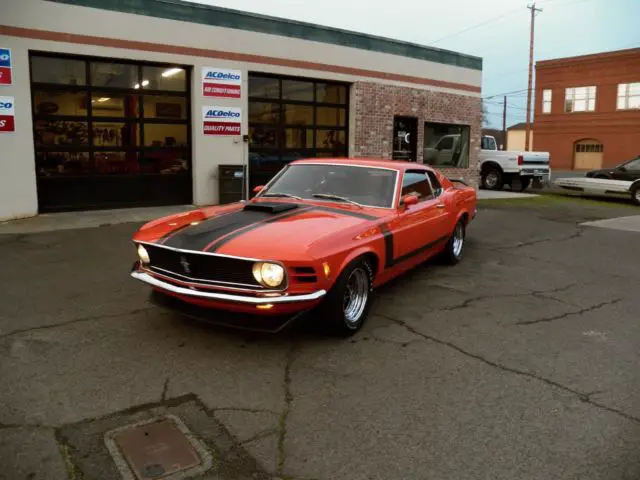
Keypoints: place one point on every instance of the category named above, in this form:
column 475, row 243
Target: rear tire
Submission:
column 635, row 194
column 492, row 179
column 524, row 184
column 346, row 307
column 452, row 253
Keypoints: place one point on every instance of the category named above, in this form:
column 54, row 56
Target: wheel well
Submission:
column 487, row 165
column 373, row 262
column 635, row 184
column 465, row 218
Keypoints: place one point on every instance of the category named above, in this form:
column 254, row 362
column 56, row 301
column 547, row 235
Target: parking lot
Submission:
column 519, row 363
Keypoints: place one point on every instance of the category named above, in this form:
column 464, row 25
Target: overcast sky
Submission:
column 564, row 28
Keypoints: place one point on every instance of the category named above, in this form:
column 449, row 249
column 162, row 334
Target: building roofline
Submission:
column 184, row 11
column 588, row 57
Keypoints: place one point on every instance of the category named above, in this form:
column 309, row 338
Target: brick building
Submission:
column 116, row 104
column 587, row 109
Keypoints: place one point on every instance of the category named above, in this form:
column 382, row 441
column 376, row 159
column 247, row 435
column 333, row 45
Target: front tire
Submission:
column 346, row 307
column 452, row 253
column 635, row 194
column 492, row 179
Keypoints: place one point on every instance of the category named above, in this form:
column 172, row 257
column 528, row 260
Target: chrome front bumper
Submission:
column 225, row 297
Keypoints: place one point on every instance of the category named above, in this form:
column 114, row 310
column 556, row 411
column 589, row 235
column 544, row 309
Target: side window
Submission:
column 634, row 166
column 417, row 183
column 435, row 184
column 446, row 143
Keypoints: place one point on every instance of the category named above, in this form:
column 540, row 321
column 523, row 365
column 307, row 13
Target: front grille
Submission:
column 212, row 269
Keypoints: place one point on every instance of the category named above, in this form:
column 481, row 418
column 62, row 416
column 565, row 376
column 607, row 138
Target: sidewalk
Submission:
column 87, row 219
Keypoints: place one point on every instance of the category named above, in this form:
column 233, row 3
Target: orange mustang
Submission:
column 320, row 235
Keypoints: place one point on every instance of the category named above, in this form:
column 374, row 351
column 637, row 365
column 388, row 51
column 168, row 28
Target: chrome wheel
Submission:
column 356, row 294
column 491, row 179
column 458, row 239
column 636, row 195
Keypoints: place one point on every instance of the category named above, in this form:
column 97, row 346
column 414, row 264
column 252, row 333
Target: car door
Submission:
column 416, row 228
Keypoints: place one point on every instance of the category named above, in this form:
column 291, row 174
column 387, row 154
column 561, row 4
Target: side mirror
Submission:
column 408, row 200
column 258, row 189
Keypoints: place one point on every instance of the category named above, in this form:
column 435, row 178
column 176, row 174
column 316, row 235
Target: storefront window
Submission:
column 446, row 145
column 114, row 75
column 171, row 79
column 264, row 87
column 298, row 114
column 261, row 112
column 62, row 163
column 116, row 134
column 56, row 70
column 331, row 93
column 167, row 107
column 165, row 135
column 297, row 90
column 59, row 102
column 263, row 136
column 330, row 116
column 109, row 104
column 61, row 133
column 298, row 138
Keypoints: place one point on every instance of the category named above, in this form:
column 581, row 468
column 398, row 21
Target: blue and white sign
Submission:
column 6, row 70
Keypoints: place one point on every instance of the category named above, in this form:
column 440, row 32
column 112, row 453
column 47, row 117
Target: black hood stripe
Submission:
column 163, row 240
column 220, row 242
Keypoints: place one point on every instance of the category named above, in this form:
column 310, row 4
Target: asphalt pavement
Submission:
column 520, row 363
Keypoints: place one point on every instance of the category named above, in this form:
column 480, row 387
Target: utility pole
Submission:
column 504, row 123
column 534, row 10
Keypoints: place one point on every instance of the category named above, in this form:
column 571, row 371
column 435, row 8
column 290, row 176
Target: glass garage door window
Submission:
column 293, row 118
column 110, row 133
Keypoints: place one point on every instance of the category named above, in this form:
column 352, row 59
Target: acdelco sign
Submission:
column 7, row 114
column 221, row 120
column 6, row 71
column 220, row 82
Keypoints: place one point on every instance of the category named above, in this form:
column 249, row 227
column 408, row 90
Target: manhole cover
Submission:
column 156, row 449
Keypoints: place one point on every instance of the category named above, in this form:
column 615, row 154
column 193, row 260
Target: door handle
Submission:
column 440, row 205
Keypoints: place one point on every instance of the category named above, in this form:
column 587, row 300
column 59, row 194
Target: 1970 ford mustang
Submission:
column 319, row 236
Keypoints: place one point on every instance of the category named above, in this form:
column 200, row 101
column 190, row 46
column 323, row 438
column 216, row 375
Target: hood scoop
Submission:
column 270, row 207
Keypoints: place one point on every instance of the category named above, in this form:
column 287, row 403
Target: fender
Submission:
column 634, row 184
column 365, row 249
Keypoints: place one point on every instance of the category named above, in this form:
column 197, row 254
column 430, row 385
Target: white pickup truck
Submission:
column 496, row 167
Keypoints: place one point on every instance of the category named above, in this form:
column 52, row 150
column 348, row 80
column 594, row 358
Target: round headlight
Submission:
column 143, row 254
column 268, row 274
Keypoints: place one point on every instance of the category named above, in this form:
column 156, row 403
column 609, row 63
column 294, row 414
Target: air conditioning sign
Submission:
column 7, row 115
column 220, row 82
column 6, row 68
column 221, row 120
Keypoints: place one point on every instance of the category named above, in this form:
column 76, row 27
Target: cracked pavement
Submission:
column 519, row 363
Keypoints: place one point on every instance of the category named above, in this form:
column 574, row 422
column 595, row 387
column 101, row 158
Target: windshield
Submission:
column 368, row 186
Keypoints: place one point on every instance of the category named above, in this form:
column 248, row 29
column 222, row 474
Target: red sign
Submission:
column 221, row 128
column 7, row 123
column 220, row 90
column 5, row 76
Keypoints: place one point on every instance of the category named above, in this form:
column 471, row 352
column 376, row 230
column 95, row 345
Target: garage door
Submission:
column 588, row 155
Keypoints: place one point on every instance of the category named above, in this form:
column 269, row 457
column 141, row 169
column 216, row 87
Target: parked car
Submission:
column 319, row 236
column 629, row 171
column 604, row 187
column 518, row 169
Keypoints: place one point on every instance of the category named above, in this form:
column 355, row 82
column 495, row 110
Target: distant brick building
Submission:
column 587, row 109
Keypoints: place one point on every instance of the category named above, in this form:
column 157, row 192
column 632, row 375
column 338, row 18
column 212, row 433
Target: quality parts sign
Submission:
column 221, row 120
column 7, row 115
column 219, row 82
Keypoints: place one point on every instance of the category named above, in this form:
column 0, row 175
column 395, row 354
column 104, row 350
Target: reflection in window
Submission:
column 298, row 138
column 331, row 93
column 165, row 135
column 165, row 107
column 297, row 90
column 263, row 136
column 264, row 87
column 116, row 134
column 417, row 183
column 62, row 163
column 58, row 70
column 51, row 133
column 171, row 79
column 580, row 99
column 298, row 114
column 260, row 112
column 114, row 75
column 114, row 105
column 59, row 103
column 331, row 116
column 446, row 145
column 331, row 139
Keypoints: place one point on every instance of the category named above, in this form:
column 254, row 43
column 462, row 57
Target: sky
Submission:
column 496, row 30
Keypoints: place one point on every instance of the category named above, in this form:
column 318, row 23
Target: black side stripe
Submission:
column 248, row 228
column 389, row 260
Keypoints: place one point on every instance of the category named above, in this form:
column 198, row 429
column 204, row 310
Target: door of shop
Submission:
column 292, row 118
column 405, row 138
column 110, row 133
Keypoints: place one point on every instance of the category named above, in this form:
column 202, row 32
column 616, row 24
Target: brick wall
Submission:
column 375, row 105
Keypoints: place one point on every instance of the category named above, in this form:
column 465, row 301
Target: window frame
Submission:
column 547, row 102
column 433, row 196
column 140, row 120
column 587, row 99
column 461, row 127
column 627, row 96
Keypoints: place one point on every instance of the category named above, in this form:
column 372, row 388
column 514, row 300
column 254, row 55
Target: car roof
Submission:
column 399, row 165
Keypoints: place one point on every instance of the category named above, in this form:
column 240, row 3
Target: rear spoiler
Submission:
column 458, row 180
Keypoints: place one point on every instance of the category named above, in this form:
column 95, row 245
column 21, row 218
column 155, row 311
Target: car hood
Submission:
column 264, row 230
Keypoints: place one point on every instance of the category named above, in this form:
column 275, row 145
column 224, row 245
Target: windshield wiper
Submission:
column 276, row 194
column 330, row 196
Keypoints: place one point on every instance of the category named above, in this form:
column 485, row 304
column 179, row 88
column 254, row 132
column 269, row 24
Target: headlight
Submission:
column 143, row 254
column 268, row 274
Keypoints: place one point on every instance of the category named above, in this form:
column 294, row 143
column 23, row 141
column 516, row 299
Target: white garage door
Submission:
column 588, row 155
